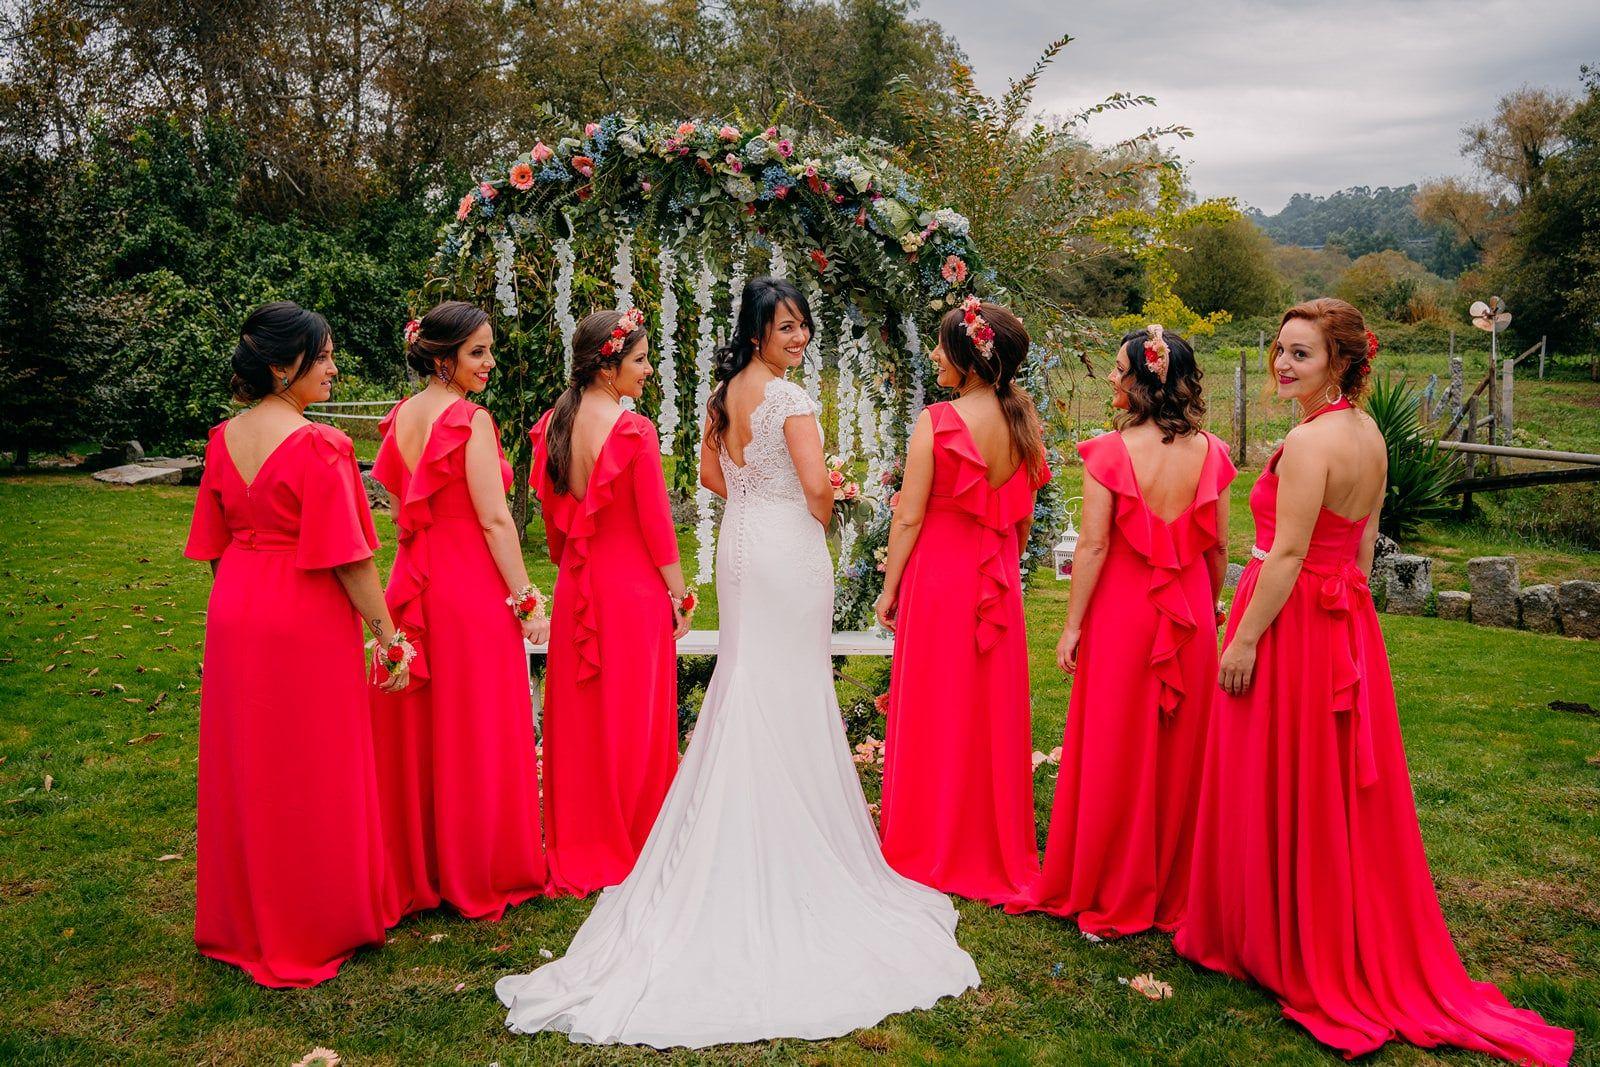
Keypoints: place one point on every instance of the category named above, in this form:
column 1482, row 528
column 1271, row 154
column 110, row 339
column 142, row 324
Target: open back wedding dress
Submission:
column 761, row 906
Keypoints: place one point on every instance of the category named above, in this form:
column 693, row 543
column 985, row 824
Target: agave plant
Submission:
column 1419, row 472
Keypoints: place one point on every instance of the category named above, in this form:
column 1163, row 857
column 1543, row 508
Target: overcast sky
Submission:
column 1286, row 96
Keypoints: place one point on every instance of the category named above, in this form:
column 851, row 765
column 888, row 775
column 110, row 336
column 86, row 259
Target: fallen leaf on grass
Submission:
column 169, row 857
column 318, row 1057
column 48, row 667
column 547, row 954
column 161, row 698
column 68, row 932
column 1093, row 939
column 1148, row 985
column 93, row 671
column 166, row 633
column 460, row 986
column 49, row 783
column 436, row 938
column 118, row 687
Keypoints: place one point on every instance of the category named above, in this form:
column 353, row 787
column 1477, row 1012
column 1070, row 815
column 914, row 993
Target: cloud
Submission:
column 1286, row 96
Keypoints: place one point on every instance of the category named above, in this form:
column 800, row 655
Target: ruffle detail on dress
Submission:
column 330, row 445
column 996, row 511
column 616, row 455
column 1334, row 595
column 1167, row 547
column 414, row 517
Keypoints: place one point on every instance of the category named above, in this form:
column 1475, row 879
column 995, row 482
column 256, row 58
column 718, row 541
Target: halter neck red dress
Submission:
column 456, row 763
column 289, row 856
column 1123, row 824
column 957, row 807
column 611, row 689
column 1309, row 874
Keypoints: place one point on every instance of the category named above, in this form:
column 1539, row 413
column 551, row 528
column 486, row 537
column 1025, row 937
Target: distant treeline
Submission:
column 1360, row 220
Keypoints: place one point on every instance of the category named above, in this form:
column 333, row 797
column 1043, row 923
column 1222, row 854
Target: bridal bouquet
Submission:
column 848, row 503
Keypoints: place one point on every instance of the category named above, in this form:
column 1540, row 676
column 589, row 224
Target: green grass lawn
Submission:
column 98, row 693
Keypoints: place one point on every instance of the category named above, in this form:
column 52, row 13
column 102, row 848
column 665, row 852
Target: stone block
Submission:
column 1454, row 604
column 120, row 454
column 377, row 495
column 1540, row 611
column 1494, row 584
column 1231, row 579
column 1410, row 584
column 191, row 467
column 1579, row 604
column 136, row 474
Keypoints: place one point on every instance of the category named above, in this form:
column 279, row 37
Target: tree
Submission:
column 1391, row 285
column 1551, row 265
column 1514, row 146
column 1227, row 267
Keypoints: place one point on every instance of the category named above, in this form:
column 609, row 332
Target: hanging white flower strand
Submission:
column 735, row 290
column 667, row 349
column 565, row 323
column 845, row 392
column 505, row 253
column 867, row 412
column 908, row 325
column 777, row 266
column 704, row 343
column 622, row 272
column 813, row 362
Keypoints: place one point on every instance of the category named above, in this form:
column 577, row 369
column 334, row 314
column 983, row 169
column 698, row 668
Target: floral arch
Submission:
column 673, row 218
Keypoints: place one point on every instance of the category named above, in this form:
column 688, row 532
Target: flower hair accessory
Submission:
column 978, row 327
column 1372, row 353
column 1156, row 352
column 632, row 319
column 413, row 331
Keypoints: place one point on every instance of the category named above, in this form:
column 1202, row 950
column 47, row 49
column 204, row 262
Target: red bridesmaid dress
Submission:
column 289, row 858
column 456, row 763
column 1123, row 825
column 957, row 807
column 611, row 688
column 1309, row 875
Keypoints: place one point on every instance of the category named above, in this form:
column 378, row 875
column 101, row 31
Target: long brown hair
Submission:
column 1176, row 405
column 587, row 363
column 999, row 369
column 1345, row 332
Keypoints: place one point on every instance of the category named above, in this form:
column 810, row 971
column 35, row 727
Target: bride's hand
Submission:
column 884, row 608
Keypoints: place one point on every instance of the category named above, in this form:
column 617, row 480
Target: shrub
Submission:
column 1419, row 473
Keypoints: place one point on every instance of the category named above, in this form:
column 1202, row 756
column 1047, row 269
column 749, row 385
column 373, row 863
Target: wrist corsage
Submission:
column 685, row 604
column 527, row 603
column 394, row 657
column 1222, row 614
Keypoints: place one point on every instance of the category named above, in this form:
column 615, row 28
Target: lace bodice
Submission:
column 768, row 474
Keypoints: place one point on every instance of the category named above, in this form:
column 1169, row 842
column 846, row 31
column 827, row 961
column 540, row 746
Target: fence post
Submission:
column 1507, row 381
column 1239, row 405
column 1469, row 434
column 1542, row 347
column 1261, row 349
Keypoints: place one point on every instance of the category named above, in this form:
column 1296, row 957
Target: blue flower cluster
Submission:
column 553, row 172
column 774, row 178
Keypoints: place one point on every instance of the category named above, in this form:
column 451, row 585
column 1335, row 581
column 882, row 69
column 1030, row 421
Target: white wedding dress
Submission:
column 761, row 905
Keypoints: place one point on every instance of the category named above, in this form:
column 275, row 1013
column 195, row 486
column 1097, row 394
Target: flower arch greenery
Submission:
column 672, row 217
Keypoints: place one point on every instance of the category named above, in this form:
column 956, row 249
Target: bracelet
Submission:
column 685, row 604
column 526, row 603
column 394, row 657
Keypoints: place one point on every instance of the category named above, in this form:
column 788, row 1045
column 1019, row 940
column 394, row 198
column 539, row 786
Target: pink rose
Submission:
column 685, row 129
column 644, row 186
column 541, row 152
column 886, row 478
column 589, row 130
column 489, row 192
column 733, row 162
column 728, row 133
column 851, row 490
column 835, row 478
column 770, row 133
column 785, row 149
column 894, row 501
column 522, row 176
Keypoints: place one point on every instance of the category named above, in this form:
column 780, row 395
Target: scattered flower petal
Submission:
column 318, row 1057
column 1151, row 986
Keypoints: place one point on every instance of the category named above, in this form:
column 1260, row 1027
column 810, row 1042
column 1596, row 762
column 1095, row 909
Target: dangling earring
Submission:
column 438, row 371
column 283, row 380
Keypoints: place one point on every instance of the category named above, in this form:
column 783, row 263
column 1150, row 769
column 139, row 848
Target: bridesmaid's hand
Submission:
column 884, row 608
column 398, row 679
column 536, row 631
column 1237, row 665
column 680, row 623
column 1067, row 650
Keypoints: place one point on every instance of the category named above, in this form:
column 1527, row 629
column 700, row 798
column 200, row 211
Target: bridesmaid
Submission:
column 958, row 778
column 289, row 858
column 1309, row 871
column 1140, row 641
column 610, row 735
column 456, row 762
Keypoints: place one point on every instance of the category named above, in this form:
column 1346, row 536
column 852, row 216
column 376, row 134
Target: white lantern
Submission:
column 1066, row 547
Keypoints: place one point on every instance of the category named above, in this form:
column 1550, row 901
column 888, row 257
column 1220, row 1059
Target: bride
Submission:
column 761, row 905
